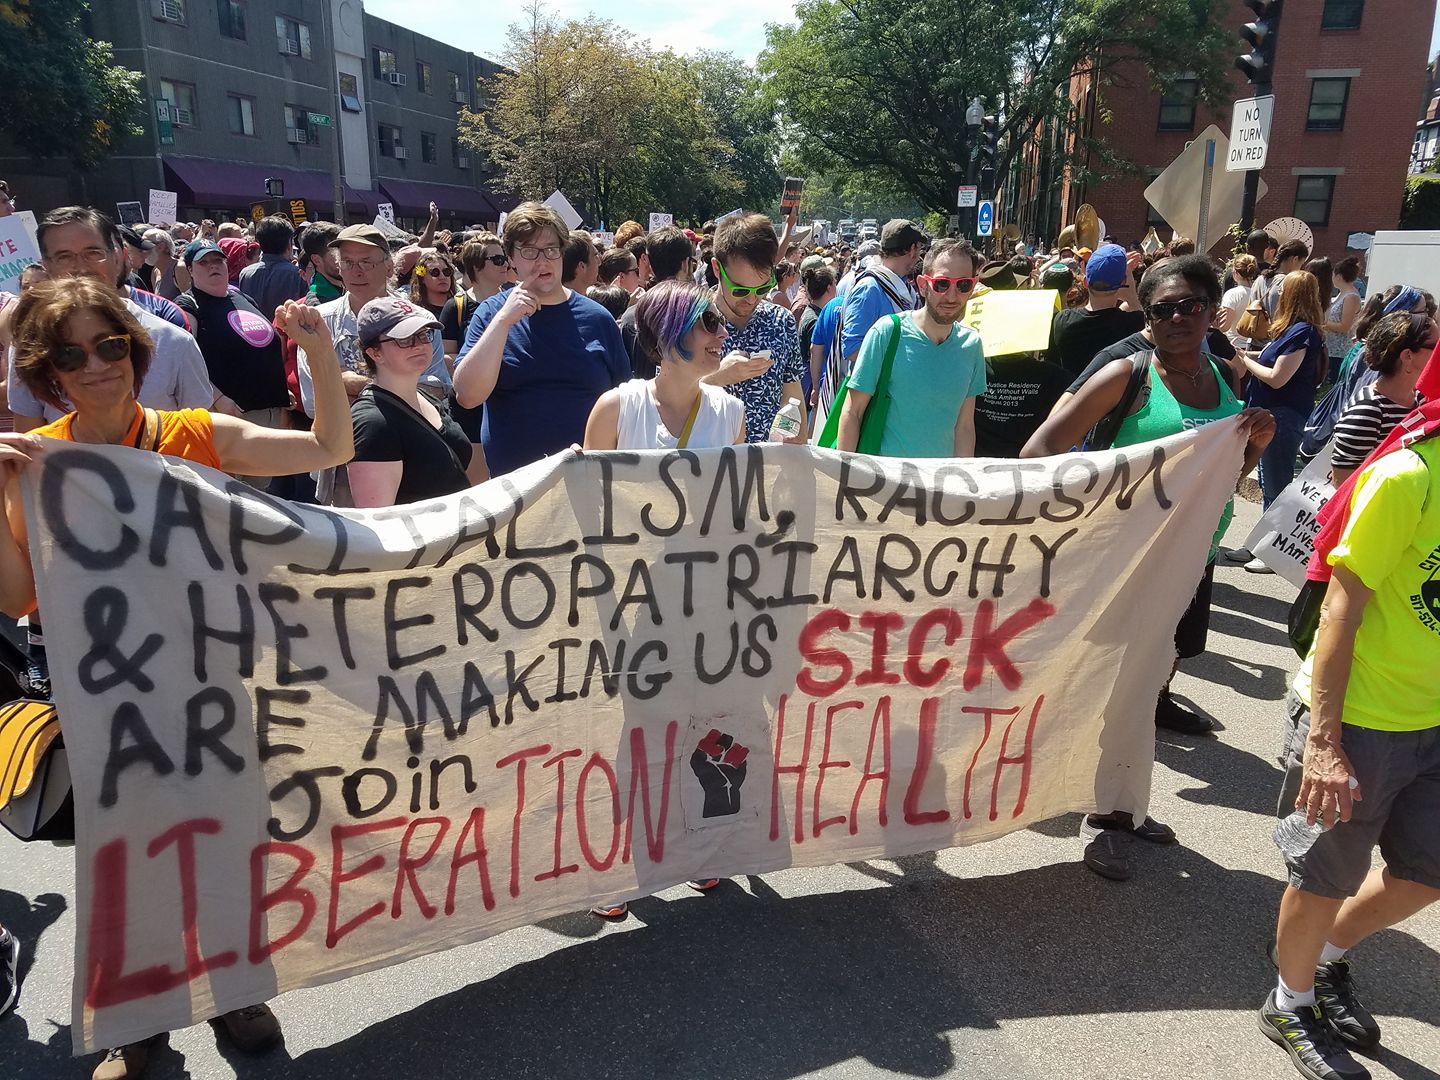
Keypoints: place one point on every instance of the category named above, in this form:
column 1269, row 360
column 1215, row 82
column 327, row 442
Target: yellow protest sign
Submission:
column 1012, row 320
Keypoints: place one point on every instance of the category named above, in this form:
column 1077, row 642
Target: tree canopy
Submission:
column 65, row 95
column 880, row 87
column 623, row 129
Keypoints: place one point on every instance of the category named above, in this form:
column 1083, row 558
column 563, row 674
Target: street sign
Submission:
column 1176, row 193
column 985, row 218
column 969, row 196
column 164, row 126
column 318, row 119
column 1250, row 133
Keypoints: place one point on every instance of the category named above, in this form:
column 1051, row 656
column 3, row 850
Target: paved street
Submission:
column 1007, row 961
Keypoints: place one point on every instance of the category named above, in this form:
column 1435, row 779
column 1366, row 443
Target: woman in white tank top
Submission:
column 675, row 410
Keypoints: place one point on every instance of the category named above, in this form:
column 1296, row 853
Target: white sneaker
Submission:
column 1255, row 566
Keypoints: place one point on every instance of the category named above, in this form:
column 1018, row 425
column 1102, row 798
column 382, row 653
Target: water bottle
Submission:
column 1295, row 836
column 788, row 422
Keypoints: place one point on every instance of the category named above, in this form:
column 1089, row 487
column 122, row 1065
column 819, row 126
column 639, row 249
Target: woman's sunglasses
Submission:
column 710, row 321
column 1165, row 310
column 70, row 358
column 740, row 292
column 942, row 285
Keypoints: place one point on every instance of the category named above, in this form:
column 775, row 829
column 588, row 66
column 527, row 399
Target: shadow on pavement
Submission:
column 731, row 985
column 1228, row 776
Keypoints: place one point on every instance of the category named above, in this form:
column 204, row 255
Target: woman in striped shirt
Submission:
column 1397, row 348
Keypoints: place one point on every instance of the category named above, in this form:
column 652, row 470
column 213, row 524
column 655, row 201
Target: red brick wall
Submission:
column 1373, row 148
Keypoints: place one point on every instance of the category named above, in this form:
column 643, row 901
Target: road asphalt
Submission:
column 1005, row 961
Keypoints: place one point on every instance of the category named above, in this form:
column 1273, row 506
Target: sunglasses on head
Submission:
column 1165, row 310
column 740, row 292
column 69, row 358
column 942, row 285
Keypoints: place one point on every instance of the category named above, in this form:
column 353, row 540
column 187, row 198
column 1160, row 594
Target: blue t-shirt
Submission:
column 929, row 384
column 865, row 304
column 824, row 331
column 1299, row 392
column 158, row 305
column 556, row 365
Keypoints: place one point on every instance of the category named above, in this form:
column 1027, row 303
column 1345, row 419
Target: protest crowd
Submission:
column 341, row 365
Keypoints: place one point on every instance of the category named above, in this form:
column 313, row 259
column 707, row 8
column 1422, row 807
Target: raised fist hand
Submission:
column 719, row 764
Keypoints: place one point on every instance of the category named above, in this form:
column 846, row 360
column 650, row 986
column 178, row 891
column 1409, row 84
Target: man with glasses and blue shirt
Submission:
column 762, row 365
column 537, row 356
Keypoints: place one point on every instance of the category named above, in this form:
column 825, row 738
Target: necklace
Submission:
column 1193, row 376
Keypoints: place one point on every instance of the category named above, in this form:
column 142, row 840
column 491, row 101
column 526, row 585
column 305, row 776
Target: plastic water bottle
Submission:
column 788, row 422
column 1295, row 836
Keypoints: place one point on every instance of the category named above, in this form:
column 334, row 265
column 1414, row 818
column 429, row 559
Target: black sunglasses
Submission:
column 495, row 260
column 70, row 358
column 710, row 321
column 1165, row 310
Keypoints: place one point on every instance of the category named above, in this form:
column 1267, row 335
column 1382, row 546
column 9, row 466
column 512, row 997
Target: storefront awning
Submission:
column 209, row 183
column 412, row 199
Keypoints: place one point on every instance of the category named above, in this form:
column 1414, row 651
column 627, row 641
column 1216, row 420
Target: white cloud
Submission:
column 736, row 26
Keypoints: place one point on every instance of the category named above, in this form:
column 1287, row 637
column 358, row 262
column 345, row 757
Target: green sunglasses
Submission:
column 740, row 292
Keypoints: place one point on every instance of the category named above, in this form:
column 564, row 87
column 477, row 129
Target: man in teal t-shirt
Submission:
column 938, row 371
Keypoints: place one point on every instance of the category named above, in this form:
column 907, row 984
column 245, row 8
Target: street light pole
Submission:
column 974, row 118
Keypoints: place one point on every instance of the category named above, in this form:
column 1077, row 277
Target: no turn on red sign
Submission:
column 1250, row 134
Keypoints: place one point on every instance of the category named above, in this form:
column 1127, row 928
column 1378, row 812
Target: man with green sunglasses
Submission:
column 763, row 364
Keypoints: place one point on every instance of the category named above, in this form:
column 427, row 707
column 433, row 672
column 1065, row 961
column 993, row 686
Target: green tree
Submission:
column 880, row 87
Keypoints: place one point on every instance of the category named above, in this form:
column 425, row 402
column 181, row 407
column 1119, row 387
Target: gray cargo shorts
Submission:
column 1399, row 774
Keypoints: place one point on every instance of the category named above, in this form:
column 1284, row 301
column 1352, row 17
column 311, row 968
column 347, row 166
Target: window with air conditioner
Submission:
column 382, row 63
column 457, row 94
column 293, row 36
column 232, row 18
column 298, row 130
column 172, row 11
column 181, row 97
column 458, row 157
column 401, row 153
column 242, row 114
column 388, row 141
column 396, row 78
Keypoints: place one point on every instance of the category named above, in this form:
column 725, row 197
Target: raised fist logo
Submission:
column 719, row 764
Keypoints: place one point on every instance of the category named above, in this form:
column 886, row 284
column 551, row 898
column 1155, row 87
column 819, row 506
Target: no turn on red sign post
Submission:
column 1250, row 134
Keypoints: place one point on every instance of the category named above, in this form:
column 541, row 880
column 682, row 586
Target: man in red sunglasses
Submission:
column 936, row 367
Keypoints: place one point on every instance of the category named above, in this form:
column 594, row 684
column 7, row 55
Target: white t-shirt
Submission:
column 1236, row 299
column 720, row 421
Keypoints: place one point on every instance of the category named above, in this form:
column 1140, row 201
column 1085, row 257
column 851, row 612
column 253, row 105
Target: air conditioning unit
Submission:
column 396, row 78
column 181, row 117
column 463, row 161
column 168, row 10
column 461, row 98
column 289, row 47
column 401, row 153
column 297, row 135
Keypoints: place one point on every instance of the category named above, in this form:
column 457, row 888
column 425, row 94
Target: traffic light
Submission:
column 989, row 141
column 1259, row 64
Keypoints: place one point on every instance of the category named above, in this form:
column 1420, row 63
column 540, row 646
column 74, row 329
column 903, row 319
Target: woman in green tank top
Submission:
column 1182, row 387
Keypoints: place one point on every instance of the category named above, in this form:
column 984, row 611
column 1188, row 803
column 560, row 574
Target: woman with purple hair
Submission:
column 675, row 410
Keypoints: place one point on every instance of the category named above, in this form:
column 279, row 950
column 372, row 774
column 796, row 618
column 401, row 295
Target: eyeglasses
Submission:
column 710, row 321
column 1165, row 310
column 532, row 253
column 942, row 285
column 496, row 260
column 363, row 265
column 71, row 358
column 66, row 260
column 420, row 337
column 740, row 292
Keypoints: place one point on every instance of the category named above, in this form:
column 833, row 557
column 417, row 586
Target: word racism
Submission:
column 319, row 742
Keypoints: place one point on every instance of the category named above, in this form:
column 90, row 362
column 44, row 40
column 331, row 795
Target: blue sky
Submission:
column 737, row 26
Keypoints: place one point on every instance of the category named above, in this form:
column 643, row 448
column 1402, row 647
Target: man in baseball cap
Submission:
column 363, row 234
column 1112, row 312
column 198, row 249
column 137, row 251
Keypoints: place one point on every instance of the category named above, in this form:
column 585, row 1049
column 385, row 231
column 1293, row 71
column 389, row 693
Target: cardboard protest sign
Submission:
column 603, row 237
column 307, row 743
column 130, row 213
column 298, row 211
column 659, row 221
column 31, row 225
column 1284, row 537
column 561, row 206
column 790, row 197
column 1012, row 320
column 387, row 211
column 17, row 251
column 390, row 230
column 163, row 207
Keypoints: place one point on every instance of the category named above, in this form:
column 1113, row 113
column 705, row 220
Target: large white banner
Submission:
column 307, row 743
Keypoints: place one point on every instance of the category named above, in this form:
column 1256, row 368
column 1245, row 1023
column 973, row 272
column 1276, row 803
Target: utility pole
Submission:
column 1259, row 67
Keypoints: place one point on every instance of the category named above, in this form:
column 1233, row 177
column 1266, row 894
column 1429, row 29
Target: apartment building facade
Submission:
column 239, row 91
column 1347, row 75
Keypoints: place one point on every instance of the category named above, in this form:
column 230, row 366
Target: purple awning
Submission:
column 205, row 182
column 412, row 199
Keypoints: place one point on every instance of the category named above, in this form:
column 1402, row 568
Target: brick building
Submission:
column 1348, row 76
